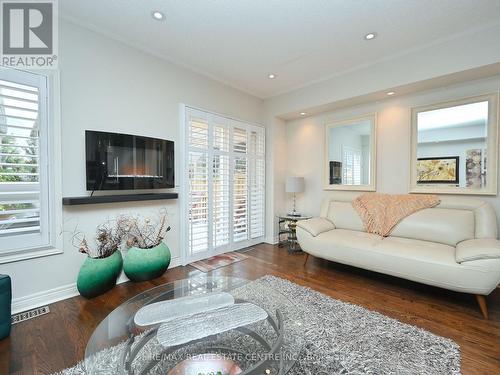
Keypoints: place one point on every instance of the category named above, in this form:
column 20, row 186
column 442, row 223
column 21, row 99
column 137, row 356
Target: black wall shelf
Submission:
column 73, row 201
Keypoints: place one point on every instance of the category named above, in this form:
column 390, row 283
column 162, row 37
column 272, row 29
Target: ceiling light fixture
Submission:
column 157, row 15
column 391, row 93
column 271, row 76
column 370, row 36
column 303, row 113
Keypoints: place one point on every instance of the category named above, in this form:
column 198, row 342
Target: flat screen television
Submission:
column 127, row 162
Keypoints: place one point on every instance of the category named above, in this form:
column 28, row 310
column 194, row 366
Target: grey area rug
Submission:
column 340, row 338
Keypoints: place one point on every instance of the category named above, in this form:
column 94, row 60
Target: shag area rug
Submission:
column 341, row 338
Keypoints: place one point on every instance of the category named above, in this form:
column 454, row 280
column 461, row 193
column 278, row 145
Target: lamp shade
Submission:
column 295, row 185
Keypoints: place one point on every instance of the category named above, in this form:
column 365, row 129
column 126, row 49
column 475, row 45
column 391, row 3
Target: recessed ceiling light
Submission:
column 391, row 93
column 271, row 76
column 303, row 113
column 370, row 36
column 157, row 15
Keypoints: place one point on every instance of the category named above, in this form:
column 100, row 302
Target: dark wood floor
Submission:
column 55, row 341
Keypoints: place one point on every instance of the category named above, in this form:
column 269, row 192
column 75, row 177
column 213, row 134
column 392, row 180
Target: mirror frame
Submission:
column 492, row 147
column 372, row 186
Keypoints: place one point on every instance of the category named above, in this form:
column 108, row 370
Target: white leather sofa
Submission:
column 452, row 246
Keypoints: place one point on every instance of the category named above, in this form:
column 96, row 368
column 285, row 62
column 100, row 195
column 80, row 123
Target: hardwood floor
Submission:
column 57, row 340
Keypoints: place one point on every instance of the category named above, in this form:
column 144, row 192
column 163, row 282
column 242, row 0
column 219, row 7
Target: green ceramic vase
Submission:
column 146, row 264
column 97, row 276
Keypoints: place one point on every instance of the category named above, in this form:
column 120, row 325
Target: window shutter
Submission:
column 240, row 185
column 239, row 140
column 351, row 166
column 221, row 187
column 257, row 183
column 240, row 200
column 198, row 133
column 198, row 184
column 226, row 176
column 23, row 202
column 357, row 167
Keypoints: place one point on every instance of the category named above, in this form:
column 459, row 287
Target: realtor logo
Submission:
column 29, row 37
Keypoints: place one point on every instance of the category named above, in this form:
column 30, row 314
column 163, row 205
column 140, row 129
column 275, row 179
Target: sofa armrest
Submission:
column 316, row 225
column 477, row 249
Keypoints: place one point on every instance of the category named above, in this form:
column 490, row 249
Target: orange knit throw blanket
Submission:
column 382, row 212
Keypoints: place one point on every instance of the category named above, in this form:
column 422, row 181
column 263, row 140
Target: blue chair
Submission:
column 5, row 305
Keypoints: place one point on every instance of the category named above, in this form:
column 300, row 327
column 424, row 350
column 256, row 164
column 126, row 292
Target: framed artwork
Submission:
column 438, row 170
column 474, row 169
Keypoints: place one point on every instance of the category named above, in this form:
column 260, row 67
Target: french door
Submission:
column 224, row 175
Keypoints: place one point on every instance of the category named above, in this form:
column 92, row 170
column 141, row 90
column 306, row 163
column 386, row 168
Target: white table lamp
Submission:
column 294, row 185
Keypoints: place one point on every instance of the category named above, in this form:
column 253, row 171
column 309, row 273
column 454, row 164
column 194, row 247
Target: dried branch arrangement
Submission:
column 107, row 241
column 136, row 231
column 142, row 232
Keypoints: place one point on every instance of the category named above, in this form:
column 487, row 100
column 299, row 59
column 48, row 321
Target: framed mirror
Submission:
column 454, row 147
column 350, row 154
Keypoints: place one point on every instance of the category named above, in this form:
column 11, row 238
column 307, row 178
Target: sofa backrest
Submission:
column 452, row 221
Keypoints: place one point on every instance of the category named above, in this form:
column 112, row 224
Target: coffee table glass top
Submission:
column 202, row 325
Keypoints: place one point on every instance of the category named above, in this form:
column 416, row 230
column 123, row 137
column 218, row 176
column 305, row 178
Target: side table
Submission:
column 287, row 234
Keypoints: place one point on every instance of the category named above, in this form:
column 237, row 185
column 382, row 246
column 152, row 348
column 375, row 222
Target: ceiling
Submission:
column 240, row 42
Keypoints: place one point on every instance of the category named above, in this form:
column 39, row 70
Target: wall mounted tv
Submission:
column 125, row 162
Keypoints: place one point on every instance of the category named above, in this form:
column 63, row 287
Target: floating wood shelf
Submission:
column 72, row 201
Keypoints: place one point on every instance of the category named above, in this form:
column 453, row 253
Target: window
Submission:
column 226, row 183
column 24, row 180
column 352, row 166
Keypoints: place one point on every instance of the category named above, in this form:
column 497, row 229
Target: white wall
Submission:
column 305, row 141
column 276, row 152
column 108, row 86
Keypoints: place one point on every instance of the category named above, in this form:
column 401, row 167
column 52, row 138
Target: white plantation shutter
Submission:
column 351, row 166
column 198, row 194
column 257, row 182
column 221, row 189
column 198, row 184
column 240, row 199
column 24, row 216
column 226, row 196
column 239, row 140
column 240, row 185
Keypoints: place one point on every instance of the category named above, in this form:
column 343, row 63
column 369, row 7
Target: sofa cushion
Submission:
column 445, row 226
column 353, row 247
column 344, row 240
column 424, row 251
column 344, row 216
column 316, row 225
column 477, row 249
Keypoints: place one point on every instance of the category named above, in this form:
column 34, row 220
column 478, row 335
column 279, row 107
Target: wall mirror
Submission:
column 350, row 154
column 454, row 147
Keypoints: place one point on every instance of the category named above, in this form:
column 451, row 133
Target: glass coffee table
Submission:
column 205, row 325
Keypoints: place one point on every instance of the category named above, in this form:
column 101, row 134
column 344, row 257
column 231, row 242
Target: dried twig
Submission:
column 143, row 232
column 107, row 241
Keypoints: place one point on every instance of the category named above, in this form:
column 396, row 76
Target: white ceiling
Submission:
column 239, row 42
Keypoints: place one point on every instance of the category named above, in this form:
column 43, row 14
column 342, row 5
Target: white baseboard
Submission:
column 45, row 297
column 60, row 293
column 271, row 240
